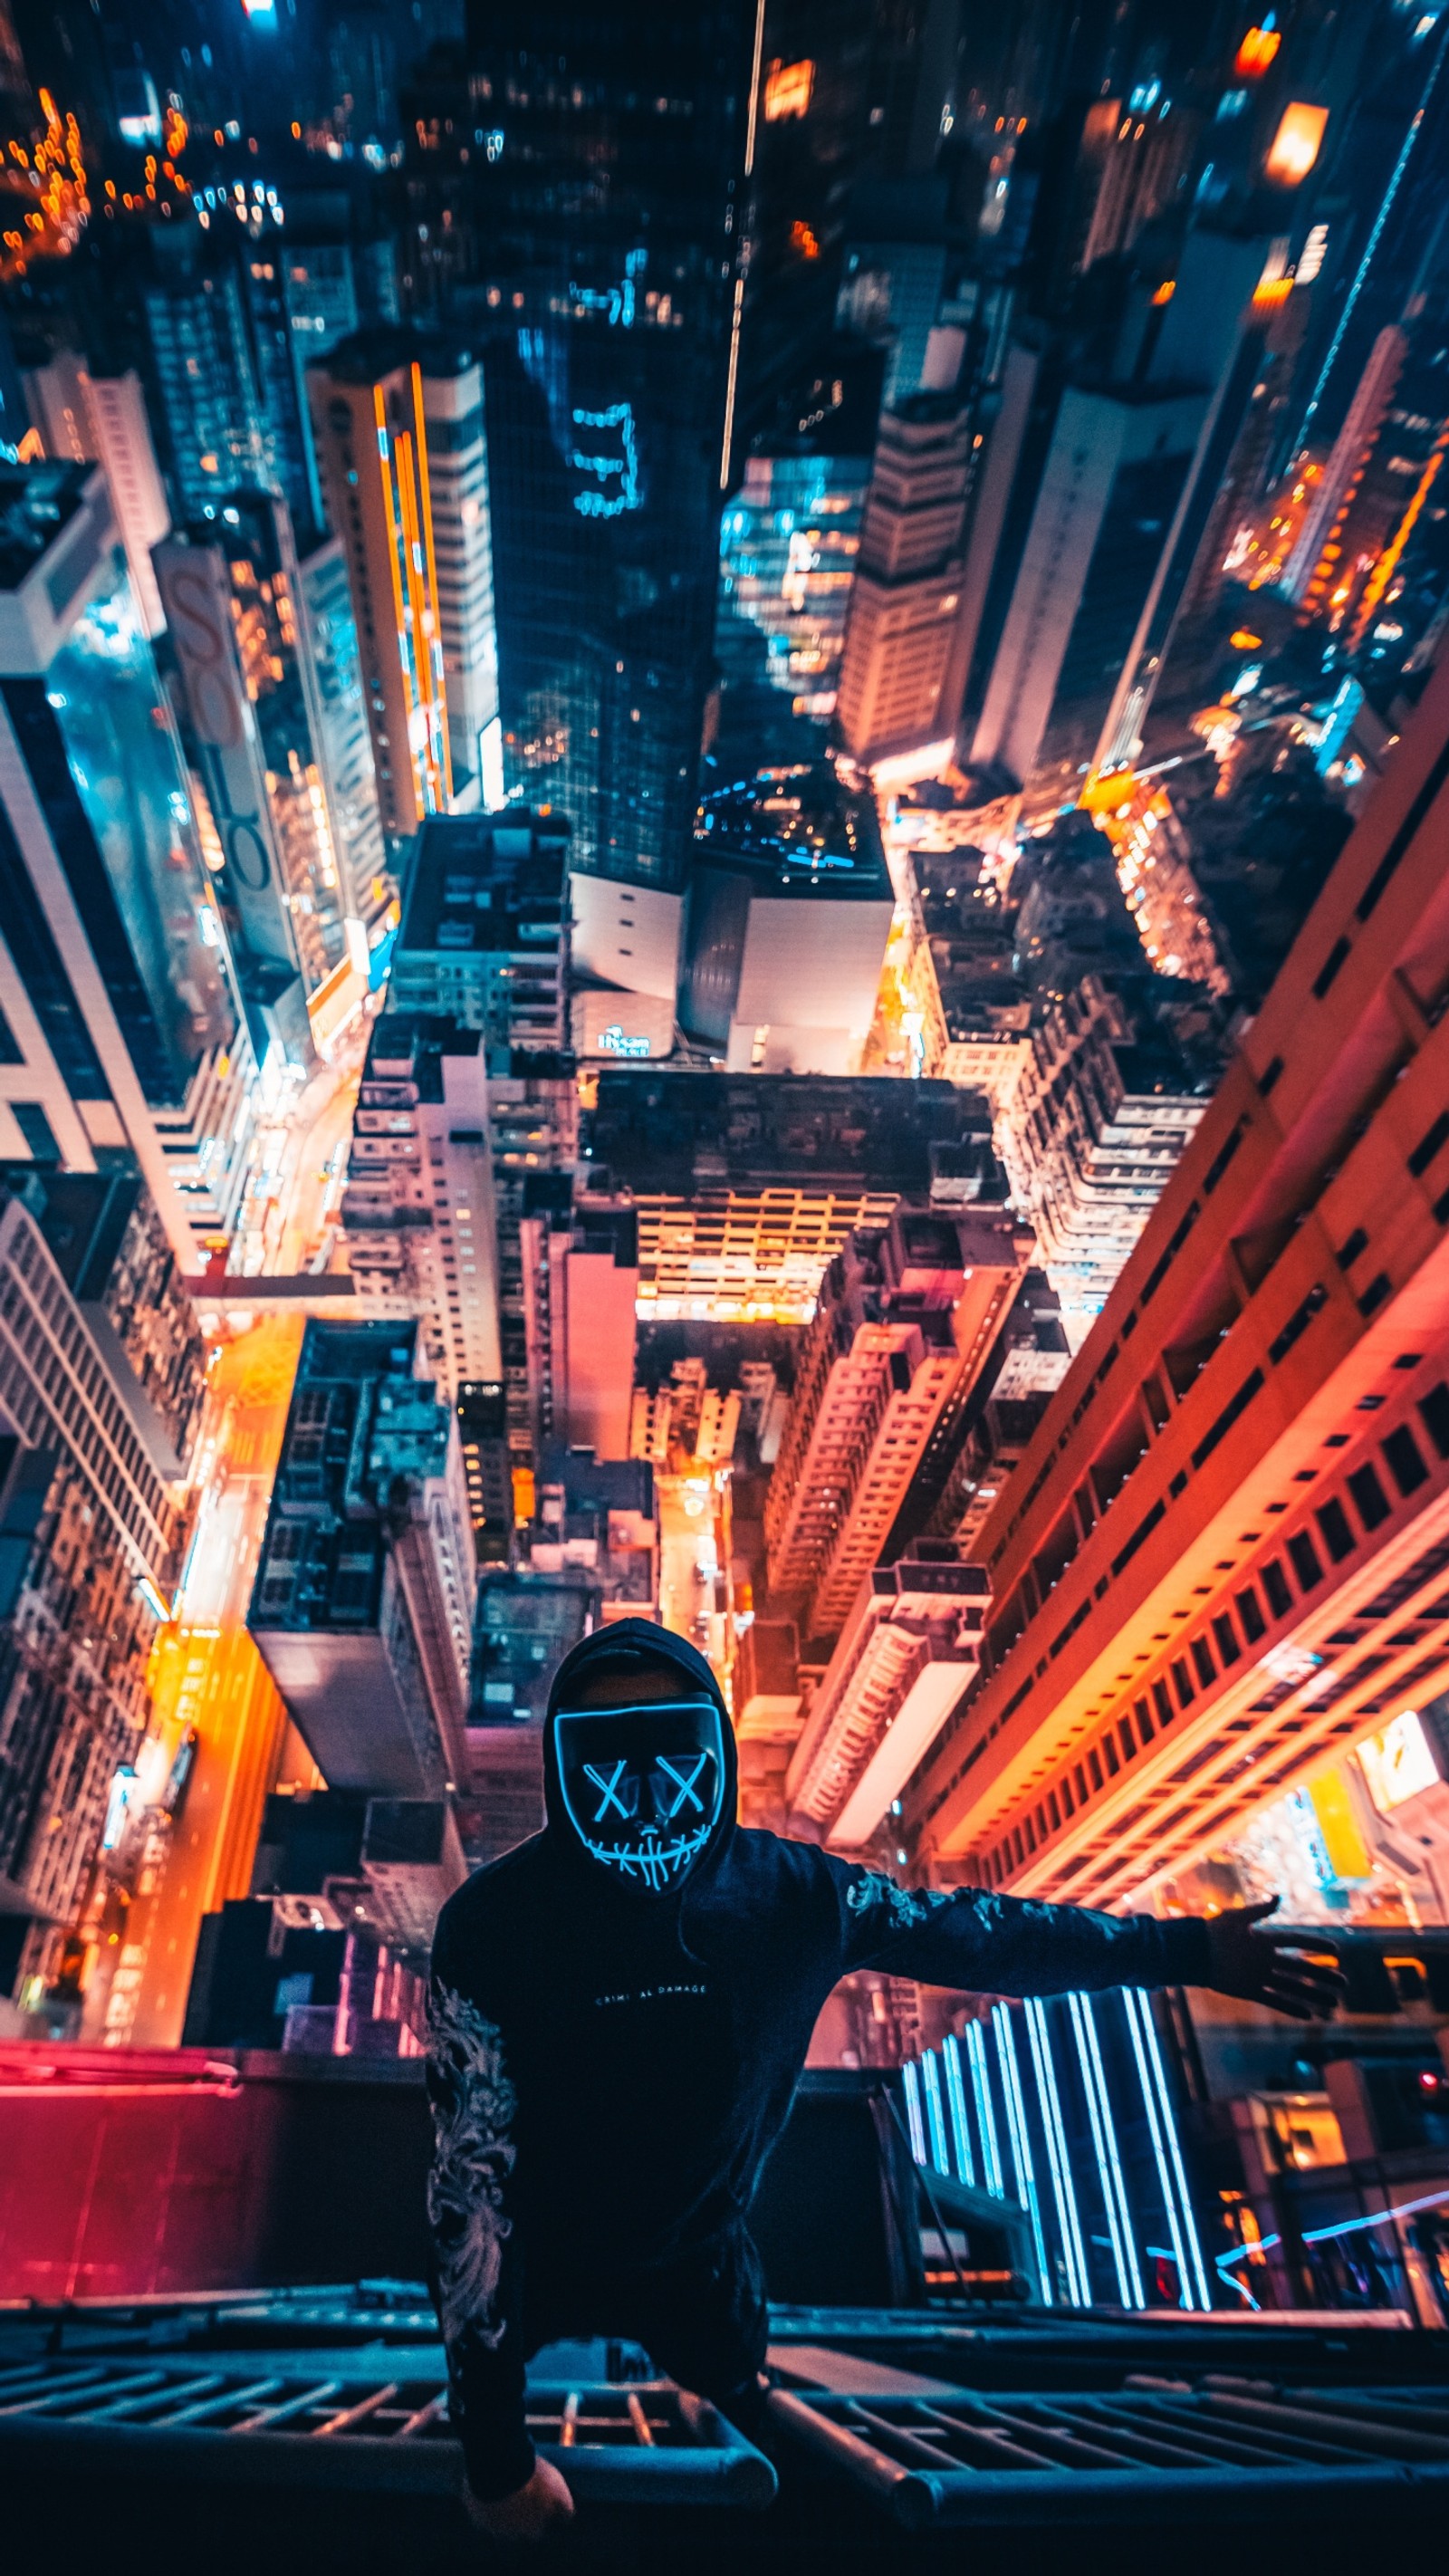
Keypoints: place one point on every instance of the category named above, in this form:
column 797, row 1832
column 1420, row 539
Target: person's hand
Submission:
column 532, row 2513
column 1272, row 1968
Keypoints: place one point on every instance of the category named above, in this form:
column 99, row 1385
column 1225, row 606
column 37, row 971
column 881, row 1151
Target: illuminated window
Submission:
column 1256, row 52
column 1295, row 146
column 1398, row 1762
column 788, row 90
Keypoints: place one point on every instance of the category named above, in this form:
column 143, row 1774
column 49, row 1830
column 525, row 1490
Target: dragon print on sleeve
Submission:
column 473, row 2154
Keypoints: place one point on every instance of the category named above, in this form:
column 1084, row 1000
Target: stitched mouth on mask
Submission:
column 652, row 1861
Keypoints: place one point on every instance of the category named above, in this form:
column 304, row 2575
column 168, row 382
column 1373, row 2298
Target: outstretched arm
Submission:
column 476, row 2259
column 1008, row 1945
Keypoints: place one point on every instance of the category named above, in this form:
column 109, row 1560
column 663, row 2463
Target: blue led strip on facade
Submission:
column 1020, row 2143
column 1174, row 2148
column 1134, row 2000
column 935, row 2119
column 1108, row 2155
column 912, row 2083
column 1079, row 2289
column 985, row 2115
column 956, row 2098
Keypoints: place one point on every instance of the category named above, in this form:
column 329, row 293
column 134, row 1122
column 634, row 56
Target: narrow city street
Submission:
column 694, row 1563
column 206, row 1673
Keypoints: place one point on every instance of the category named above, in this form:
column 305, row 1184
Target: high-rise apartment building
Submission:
column 910, row 1644
column 902, row 674
column 363, row 1602
column 789, row 538
column 580, row 1262
column 116, row 981
column 1096, row 1123
column 101, row 1377
column 906, row 1320
column 86, row 417
column 747, row 1185
column 370, row 419
column 484, row 936
column 1115, row 469
column 1223, row 1555
column 231, row 590
column 418, row 1207
column 210, row 415
column 342, row 741
column 789, row 910
column 610, row 379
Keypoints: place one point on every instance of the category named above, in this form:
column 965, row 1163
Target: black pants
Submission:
column 701, row 2318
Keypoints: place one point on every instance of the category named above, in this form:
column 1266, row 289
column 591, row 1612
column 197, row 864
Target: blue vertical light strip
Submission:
column 1371, row 245
column 1174, row 2147
column 1020, row 2142
column 1079, row 2288
column 1154, row 2126
column 956, row 2097
column 913, row 2111
column 1108, row 2154
column 935, row 2117
column 985, row 2113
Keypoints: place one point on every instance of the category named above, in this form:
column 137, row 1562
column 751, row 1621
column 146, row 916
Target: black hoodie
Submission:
column 609, row 2068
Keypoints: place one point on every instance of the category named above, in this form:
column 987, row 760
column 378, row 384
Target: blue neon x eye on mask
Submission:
column 643, row 1787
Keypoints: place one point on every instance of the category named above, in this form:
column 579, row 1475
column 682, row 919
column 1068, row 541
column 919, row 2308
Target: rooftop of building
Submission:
column 683, row 1134
column 360, row 1425
column 37, row 503
column 486, row 884
column 366, row 356
column 524, row 1626
column 410, row 1046
column 83, row 1217
column 796, row 831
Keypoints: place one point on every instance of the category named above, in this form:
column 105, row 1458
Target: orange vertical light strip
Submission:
column 1384, row 570
column 423, row 764
column 426, row 490
column 384, row 458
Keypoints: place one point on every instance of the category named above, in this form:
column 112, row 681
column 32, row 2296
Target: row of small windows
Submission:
column 1219, row 1645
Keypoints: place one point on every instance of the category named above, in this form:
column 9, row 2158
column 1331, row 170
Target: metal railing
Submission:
column 647, row 2442
column 1229, row 2449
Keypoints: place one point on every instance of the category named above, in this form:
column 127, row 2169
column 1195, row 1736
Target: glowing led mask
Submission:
column 643, row 1787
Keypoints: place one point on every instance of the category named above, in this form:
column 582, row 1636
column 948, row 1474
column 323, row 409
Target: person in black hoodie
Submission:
column 620, row 2012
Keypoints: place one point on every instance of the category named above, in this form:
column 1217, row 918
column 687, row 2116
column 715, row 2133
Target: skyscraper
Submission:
column 363, row 1601
column 101, row 1376
column 117, row 981
column 231, row 589
column 903, row 1314
column 903, row 670
column 790, row 908
column 1223, row 1553
column 747, row 1185
column 1112, row 481
column 418, row 1209
column 369, row 412
column 485, row 933
column 608, row 167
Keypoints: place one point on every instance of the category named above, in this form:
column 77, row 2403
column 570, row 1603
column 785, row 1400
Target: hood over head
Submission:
column 642, row 1795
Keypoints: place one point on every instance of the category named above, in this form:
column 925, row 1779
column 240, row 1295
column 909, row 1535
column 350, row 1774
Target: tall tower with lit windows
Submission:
column 1220, row 1564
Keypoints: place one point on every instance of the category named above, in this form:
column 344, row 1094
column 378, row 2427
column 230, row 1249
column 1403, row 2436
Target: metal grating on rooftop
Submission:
column 649, row 2442
column 1231, row 2449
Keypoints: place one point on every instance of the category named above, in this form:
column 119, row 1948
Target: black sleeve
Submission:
column 477, row 2257
column 1006, row 1945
